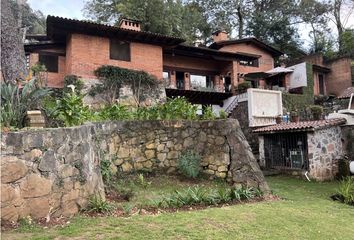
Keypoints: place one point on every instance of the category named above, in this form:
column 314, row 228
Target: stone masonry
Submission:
column 55, row 171
column 324, row 150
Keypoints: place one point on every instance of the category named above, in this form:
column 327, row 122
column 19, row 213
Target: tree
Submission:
column 170, row 17
column 13, row 66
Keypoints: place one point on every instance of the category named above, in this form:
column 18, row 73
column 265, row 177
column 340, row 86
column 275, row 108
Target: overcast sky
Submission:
column 73, row 9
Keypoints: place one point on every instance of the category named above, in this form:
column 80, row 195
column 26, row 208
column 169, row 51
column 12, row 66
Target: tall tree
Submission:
column 34, row 22
column 171, row 17
column 13, row 66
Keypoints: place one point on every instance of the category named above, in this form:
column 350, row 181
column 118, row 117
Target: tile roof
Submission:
column 301, row 126
column 347, row 92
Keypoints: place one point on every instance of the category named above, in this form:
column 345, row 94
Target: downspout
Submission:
column 350, row 101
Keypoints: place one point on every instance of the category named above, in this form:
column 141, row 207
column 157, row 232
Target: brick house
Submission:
column 205, row 75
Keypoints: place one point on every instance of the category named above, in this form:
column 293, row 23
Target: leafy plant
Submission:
column 71, row 110
column 189, row 164
column 208, row 113
column 114, row 78
column 316, row 111
column 242, row 87
column 346, row 190
column 127, row 208
column 222, row 114
column 15, row 102
column 75, row 81
column 98, row 205
column 115, row 112
column 142, row 182
column 106, row 172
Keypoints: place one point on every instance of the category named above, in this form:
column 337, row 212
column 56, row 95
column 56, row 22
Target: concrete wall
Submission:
column 55, row 171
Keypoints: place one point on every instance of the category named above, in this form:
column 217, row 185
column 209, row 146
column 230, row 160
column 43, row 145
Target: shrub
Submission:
column 15, row 102
column 242, row 87
column 71, row 110
column 75, row 81
column 98, row 205
column 106, row 172
column 208, row 113
column 189, row 164
column 113, row 78
column 316, row 111
column 142, row 181
column 222, row 114
column 115, row 112
column 346, row 190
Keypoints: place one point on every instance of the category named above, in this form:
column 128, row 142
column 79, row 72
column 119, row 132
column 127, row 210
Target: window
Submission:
column 321, row 84
column 201, row 82
column 50, row 62
column 119, row 50
column 166, row 75
column 250, row 63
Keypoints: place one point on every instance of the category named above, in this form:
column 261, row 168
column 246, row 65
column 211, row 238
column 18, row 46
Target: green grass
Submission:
column 305, row 213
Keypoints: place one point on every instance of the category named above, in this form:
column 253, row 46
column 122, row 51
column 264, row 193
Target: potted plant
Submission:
column 294, row 116
column 317, row 112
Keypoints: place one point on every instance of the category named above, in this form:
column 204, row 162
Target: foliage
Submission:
column 106, row 172
column 223, row 114
column 15, row 102
column 242, row 87
column 33, row 20
column 201, row 196
column 39, row 71
column 114, row 112
column 208, row 113
column 114, row 78
column 98, row 205
column 176, row 18
column 316, row 111
column 142, row 181
column 346, row 190
column 75, row 81
column 71, row 110
column 189, row 164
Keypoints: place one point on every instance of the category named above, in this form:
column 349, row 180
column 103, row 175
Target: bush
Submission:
column 200, row 196
column 208, row 113
column 242, row 87
column 15, row 102
column 346, row 190
column 114, row 78
column 106, row 172
column 75, row 81
column 316, row 112
column 98, row 205
column 115, row 112
column 223, row 114
column 189, row 164
column 71, row 110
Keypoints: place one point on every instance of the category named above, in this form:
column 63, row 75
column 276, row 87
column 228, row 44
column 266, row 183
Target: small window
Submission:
column 119, row 50
column 166, row 75
column 50, row 62
column 250, row 63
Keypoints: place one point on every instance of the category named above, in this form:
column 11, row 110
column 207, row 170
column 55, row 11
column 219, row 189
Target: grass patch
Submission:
column 307, row 212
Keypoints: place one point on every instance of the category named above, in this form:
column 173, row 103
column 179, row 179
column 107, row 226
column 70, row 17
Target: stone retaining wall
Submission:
column 64, row 162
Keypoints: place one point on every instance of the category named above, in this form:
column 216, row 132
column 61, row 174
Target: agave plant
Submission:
column 16, row 101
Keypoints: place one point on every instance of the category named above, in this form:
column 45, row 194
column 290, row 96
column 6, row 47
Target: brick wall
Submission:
column 54, row 80
column 87, row 53
column 340, row 77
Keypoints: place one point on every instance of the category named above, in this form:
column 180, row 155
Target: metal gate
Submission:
column 286, row 150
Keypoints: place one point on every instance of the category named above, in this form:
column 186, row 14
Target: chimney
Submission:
column 220, row 35
column 129, row 24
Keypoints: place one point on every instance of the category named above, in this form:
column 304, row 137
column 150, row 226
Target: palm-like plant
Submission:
column 15, row 102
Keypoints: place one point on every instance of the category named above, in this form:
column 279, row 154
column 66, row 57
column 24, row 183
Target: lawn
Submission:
column 306, row 212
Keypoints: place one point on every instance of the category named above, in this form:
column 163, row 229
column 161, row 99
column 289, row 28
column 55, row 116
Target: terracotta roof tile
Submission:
column 301, row 126
column 347, row 92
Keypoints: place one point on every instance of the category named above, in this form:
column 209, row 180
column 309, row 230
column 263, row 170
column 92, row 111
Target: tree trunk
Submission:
column 13, row 62
column 336, row 13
